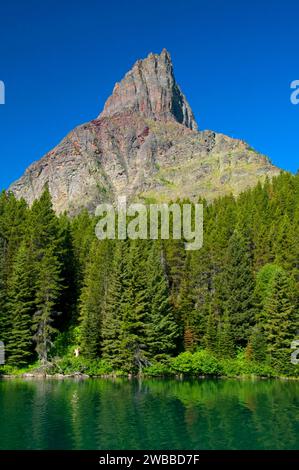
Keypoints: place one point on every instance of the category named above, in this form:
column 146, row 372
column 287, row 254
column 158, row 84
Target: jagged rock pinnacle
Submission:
column 150, row 90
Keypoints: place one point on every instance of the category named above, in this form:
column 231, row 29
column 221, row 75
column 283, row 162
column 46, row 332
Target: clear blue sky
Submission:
column 234, row 61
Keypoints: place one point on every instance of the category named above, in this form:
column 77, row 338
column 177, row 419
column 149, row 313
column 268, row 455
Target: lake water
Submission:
column 149, row 414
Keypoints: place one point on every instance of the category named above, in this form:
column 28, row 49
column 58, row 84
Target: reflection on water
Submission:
column 152, row 414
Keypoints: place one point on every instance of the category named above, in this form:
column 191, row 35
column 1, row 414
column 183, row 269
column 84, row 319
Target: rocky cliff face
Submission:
column 145, row 144
column 150, row 90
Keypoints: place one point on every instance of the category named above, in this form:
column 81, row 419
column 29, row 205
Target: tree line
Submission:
column 138, row 302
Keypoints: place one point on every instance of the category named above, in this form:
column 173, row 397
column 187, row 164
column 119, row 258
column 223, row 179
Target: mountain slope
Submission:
column 145, row 144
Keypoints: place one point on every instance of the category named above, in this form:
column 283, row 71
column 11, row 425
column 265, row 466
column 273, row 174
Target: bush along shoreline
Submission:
column 201, row 364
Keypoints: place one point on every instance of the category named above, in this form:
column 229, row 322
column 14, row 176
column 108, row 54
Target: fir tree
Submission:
column 186, row 307
column 263, row 285
column 13, row 226
column 237, row 284
column 93, row 297
column 21, row 308
column 113, row 314
column 43, row 226
column 48, row 287
column 69, row 298
column 281, row 321
column 256, row 348
column 161, row 328
column 211, row 333
column 82, row 235
column 225, row 343
column 136, row 308
column 4, row 319
column 175, row 257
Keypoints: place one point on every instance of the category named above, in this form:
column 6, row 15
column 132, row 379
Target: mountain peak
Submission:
column 150, row 89
column 142, row 147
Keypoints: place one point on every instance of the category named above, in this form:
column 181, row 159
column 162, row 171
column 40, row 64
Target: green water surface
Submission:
column 148, row 414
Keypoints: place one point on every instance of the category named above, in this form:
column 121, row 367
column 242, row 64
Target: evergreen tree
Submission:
column 225, row 342
column 4, row 319
column 285, row 245
column 161, row 328
column 175, row 257
column 48, row 287
column 186, row 306
column 82, row 236
column 210, row 339
column 44, row 226
column 69, row 298
column 281, row 321
column 21, row 308
column 113, row 314
column 256, row 348
column 93, row 297
column 237, row 284
column 136, row 308
column 13, row 226
column 264, row 279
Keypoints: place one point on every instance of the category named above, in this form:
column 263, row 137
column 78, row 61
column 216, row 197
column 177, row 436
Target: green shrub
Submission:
column 232, row 367
column 158, row 369
column 200, row 363
column 183, row 363
column 204, row 363
column 239, row 366
column 70, row 365
column 12, row 370
column 262, row 370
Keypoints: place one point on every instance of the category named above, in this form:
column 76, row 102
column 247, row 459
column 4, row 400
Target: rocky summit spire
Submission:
column 150, row 90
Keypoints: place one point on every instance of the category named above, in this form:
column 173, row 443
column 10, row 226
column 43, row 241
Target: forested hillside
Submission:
column 228, row 308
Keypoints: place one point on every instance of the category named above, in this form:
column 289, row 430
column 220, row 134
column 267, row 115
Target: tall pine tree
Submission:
column 113, row 312
column 161, row 328
column 48, row 288
column 93, row 297
column 21, row 308
column 281, row 321
column 237, row 284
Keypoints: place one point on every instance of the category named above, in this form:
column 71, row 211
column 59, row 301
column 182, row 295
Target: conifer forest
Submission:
column 72, row 303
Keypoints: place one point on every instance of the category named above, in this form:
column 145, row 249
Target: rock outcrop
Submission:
column 145, row 144
column 150, row 90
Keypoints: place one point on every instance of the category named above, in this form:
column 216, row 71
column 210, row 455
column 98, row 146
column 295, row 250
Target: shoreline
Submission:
column 80, row 376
